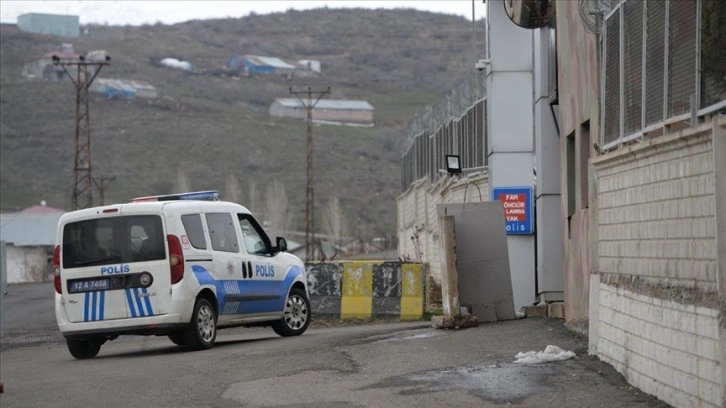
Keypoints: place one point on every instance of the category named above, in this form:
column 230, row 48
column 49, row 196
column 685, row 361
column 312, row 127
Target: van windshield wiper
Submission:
column 100, row 261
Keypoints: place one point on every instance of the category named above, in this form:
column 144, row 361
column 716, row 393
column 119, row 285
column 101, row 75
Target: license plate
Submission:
column 88, row 285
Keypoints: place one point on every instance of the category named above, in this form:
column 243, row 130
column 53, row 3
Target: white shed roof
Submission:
column 269, row 61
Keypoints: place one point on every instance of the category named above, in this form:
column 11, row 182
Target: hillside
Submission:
column 207, row 128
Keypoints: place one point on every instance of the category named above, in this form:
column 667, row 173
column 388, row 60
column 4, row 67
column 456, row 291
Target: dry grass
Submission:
column 208, row 125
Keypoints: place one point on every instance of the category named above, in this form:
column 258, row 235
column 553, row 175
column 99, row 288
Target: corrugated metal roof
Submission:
column 29, row 229
column 331, row 104
column 269, row 61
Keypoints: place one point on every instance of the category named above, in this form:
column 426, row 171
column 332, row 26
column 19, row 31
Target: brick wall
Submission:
column 654, row 307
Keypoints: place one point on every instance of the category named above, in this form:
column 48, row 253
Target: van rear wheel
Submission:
column 296, row 317
column 83, row 349
column 202, row 330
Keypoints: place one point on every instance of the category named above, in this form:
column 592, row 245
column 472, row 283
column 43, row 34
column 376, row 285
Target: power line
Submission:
column 82, row 180
column 309, row 104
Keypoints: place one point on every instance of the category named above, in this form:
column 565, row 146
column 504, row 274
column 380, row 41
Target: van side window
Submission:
column 221, row 232
column 195, row 233
column 255, row 240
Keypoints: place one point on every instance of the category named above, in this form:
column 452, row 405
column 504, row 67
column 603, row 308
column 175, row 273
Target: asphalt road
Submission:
column 375, row 365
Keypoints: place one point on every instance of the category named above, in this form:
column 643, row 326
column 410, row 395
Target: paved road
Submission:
column 377, row 365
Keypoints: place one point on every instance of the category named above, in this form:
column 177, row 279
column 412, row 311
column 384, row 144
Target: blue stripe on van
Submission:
column 102, row 306
column 145, row 291
column 139, row 304
column 130, row 302
column 252, row 286
column 86, row 305
column 94, row 301
column 94, row 304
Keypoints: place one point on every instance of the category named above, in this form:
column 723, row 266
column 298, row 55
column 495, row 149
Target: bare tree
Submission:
column 181, row 184
column 232, row 191
column 333, row 222
column 276, row 208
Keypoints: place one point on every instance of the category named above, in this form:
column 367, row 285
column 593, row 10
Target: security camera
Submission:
column 481, row 65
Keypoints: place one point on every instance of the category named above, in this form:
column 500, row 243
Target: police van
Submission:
column 181, row 266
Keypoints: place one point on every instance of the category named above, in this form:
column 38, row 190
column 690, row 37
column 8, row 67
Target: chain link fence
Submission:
column 662, row 60
column 456, row 125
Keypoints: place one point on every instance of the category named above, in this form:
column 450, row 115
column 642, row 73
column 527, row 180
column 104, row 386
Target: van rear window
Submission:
column 104, row 241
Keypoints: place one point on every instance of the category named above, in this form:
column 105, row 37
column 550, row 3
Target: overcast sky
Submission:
column 141, row 12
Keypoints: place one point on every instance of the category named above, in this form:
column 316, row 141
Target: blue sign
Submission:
column 518, row 205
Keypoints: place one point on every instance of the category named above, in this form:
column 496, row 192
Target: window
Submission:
column 195, row 233
column 221, row 232
column 104, row 241
column 255, row 239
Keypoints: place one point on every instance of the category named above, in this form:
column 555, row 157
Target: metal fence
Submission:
column 663, row 62
column 456, row 125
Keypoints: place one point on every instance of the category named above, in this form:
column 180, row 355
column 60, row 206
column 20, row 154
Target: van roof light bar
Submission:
column 209, row 195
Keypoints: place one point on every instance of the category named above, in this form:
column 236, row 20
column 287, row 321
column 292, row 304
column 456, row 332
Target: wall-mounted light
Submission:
column 453, row 164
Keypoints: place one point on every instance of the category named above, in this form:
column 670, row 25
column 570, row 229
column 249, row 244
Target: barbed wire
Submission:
column 452, row 106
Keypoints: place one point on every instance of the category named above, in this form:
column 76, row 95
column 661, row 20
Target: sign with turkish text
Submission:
column 518, row 206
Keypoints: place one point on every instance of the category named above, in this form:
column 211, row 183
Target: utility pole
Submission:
column 309, row 104
column 102, row 184
column 82, row 180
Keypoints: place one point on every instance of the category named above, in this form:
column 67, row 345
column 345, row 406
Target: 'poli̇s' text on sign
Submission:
column 517, row 203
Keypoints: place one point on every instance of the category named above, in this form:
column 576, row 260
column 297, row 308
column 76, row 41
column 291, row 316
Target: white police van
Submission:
column 180, row 265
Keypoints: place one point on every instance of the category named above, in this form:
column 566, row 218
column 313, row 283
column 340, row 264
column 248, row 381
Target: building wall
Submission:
column 578, row 128
column 53, row 24
column 418, row 222
column 345, row 116
column 655, row 306
column 28, row 264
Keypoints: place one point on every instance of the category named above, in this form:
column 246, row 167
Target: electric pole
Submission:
column 309, row 104
column 82, row 180
column 102, row 184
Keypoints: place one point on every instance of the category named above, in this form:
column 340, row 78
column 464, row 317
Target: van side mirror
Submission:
column 281, row 244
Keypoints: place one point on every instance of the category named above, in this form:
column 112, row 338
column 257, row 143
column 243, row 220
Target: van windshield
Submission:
column 104, row 241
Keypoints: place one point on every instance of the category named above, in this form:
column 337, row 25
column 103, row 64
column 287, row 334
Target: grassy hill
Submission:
column 207, row 127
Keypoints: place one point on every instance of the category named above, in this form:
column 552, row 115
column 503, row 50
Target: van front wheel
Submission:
column 83, row 349
column 296, row 317
column 202, row 330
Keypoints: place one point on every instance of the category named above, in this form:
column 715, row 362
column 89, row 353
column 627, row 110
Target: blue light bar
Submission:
column 209, row 195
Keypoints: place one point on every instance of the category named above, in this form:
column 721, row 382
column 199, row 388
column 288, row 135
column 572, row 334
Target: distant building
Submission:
column 127, row 88
column 29, row 236
column 52, row 24
column 333, row 111
column 307, row 68
column 44, row 68
column 257, row 65
column 177, row 64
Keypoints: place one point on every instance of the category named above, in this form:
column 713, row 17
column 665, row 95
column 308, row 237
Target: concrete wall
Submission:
column 365, row 289
column 510, row 131
column 332, row 115
column 53, row 24
column 655, row 303
column 28, row 264
column 418, row 222
column 578, row 87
